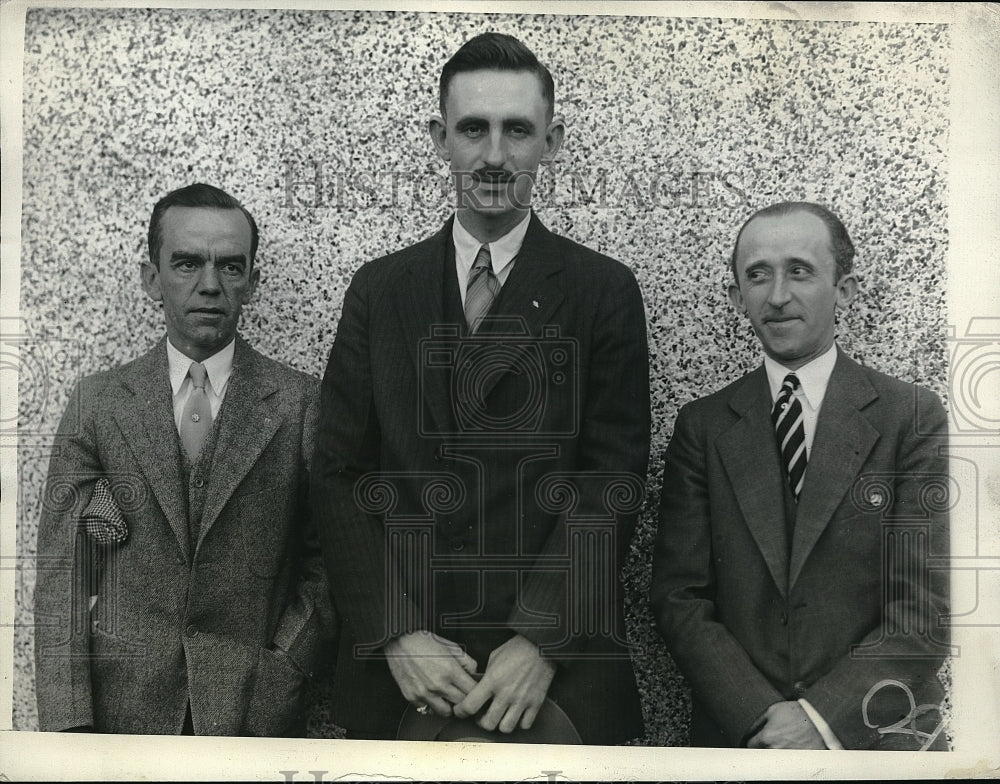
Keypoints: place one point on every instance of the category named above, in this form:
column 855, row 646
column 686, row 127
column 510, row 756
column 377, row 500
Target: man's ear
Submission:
column 438, row 130
column 736, row 297
column 150, row 277
column 847, row 290
column 554, row 134
column 252, row 282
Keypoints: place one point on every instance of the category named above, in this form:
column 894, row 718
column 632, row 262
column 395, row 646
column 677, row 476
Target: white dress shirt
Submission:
column 502, row 252
column 219, row 367
column 814, row 377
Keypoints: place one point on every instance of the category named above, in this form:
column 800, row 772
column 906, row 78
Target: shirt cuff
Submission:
column 821, row 726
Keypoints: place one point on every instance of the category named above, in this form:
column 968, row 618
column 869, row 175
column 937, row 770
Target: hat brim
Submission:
column 551, row 725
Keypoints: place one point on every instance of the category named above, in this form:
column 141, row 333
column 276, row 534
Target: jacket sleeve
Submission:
column 911, row 641
column 64, row 560
column 347, row 448
column 683, row 590
column 310, row 618
column 612, row 460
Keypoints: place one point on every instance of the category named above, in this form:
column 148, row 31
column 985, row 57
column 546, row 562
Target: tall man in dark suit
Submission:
column 483, row 443
column 791, row 578
column 180, row 588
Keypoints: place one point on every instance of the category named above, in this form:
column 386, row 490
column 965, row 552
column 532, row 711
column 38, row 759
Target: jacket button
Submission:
column 457, row 545
column 191, row 631
column 783, row 619
column 199, row 482
column 800, row 687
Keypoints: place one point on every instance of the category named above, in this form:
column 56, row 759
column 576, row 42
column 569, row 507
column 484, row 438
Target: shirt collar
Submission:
column 219, row 367
column 814, row 376
column 502, row 251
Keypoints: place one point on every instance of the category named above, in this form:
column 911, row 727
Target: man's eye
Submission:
column 474, row 131
column 232, row 269
column 519, row 131
column 186, row 266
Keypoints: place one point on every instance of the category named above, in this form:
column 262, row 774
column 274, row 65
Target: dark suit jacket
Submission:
column 456, row 479
column 177, row 619
column 750, row 624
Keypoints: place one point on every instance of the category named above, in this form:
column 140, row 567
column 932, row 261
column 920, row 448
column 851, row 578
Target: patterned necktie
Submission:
column 196, row 421
column 791, row 433
column 482, row 289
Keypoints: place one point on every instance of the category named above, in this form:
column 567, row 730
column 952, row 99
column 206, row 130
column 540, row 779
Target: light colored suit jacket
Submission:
column 750, row 623
column 229, row 621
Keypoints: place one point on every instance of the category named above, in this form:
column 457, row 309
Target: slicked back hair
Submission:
column 197, row 195
column 495, row 52
column 840, row 240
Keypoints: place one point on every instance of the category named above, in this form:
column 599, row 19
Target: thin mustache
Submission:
column 493, row 176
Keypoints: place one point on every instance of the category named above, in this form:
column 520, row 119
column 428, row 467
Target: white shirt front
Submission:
column 814, row 377
column 219, row 367
column 502, row 252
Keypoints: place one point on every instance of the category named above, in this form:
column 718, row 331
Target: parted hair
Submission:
column 496, row 52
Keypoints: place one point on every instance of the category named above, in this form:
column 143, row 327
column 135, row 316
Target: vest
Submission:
column 197, row 478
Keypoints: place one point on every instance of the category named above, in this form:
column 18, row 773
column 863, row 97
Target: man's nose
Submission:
column 779, row 295
column 208, row 282
column 494, row 155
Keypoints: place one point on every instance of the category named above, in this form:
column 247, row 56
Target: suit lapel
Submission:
column 420, row 303
column 844, row 439
column 744, row 449
column 530, row 296
column 146, row 419
column 250, row 418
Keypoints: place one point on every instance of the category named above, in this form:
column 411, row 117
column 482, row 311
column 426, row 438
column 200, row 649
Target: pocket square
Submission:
column 102, row 519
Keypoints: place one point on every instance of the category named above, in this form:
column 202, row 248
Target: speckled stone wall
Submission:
column 677, row 130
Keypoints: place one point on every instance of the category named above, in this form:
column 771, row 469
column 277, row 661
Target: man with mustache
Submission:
column 180, row 587
column 800, row 505
column 483, row 443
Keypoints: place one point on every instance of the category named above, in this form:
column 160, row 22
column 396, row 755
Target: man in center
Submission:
column 483, row 443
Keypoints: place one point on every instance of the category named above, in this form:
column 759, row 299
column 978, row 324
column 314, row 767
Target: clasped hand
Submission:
column 435, row 672
column 786, row 726
column 430, row 670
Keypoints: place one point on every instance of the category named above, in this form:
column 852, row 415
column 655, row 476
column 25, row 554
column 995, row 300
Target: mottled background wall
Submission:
column 677, row 129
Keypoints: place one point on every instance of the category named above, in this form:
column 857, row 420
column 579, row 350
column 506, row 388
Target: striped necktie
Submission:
column 196, row 421
column 790, row 430
column 482, row 289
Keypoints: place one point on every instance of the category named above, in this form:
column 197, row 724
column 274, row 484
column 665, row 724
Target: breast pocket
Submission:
column 267, row 520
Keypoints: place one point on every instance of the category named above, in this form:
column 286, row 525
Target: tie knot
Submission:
column 198, row 375
column 791, row 381
column 483, row 259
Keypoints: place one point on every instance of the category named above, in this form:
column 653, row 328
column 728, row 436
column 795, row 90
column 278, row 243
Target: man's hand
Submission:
column 517, row 679
column 430, row 670
column 786, row 726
